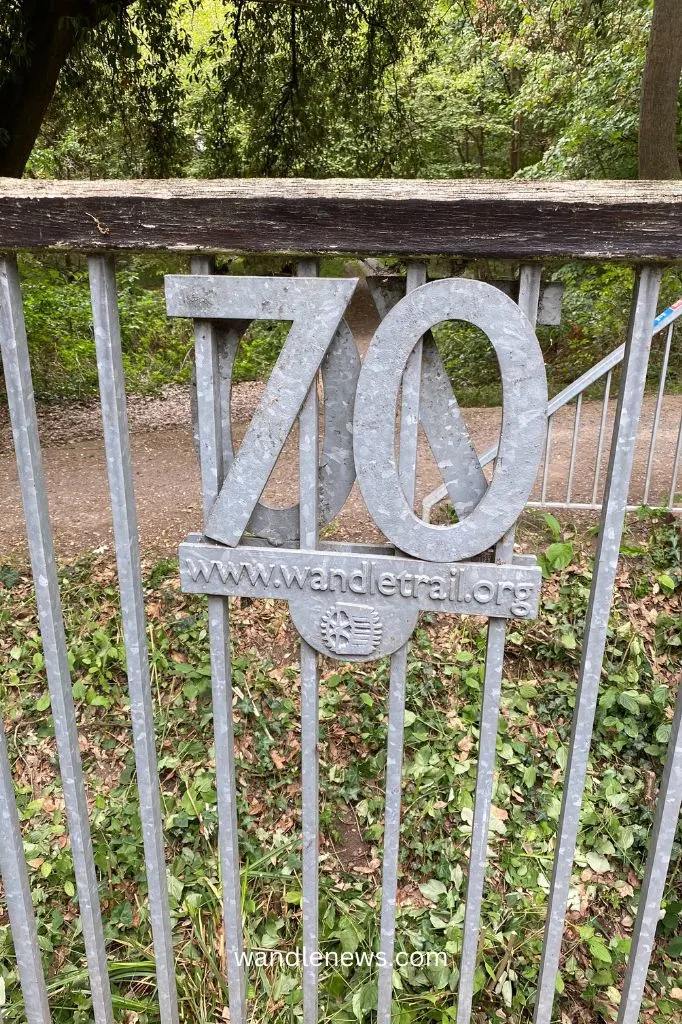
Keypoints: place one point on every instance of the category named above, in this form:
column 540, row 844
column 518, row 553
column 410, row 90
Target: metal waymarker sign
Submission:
column 361, row 602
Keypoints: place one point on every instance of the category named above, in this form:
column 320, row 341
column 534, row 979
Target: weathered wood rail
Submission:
column 596, row 220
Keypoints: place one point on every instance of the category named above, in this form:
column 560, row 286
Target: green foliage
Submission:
column 445, row 673
column 279, row 82
column 59, row 327
column 595, row 315
column 594, row 319
column 259, row 349
column 218, row 87
column 470, row 362
column 225, row 88
column 156, row 350
column 117, row 105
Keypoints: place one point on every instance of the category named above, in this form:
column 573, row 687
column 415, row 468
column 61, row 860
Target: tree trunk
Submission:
column 50, row 29
column 26, row 94
column 658, row 156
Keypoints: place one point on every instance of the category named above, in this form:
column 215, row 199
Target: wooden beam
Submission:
column 598, row 220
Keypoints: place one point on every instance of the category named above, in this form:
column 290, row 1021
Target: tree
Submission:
column 278, row 74
column 35, row 44
column 41, row 40
column 529, row 89
column 658, row 156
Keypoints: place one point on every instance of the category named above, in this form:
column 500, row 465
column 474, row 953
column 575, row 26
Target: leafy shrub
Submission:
column 157, row 350
column 442, row 730
column 594, row 321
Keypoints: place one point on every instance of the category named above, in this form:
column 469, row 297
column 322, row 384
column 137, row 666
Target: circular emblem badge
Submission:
column 351, row 629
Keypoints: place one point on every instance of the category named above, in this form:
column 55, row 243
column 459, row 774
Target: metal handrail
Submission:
column 664, row 320
column 525, row 221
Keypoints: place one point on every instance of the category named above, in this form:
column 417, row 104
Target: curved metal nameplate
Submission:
column 349, row 629
column 358, row 605
column 524, row 418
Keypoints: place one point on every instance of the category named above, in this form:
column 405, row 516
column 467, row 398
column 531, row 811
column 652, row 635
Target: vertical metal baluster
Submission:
column 529, row 296
column 658, row 859
column 676, row 467
column 209, row 407
column 407, row 465
column 600, row 443
column 657, row 414
column 548, row 457
column 613, row 514
column 574, row 447
column 41, row 549
column 18, row 897
column 411, row 392
column 308, row 426
column 119, row 467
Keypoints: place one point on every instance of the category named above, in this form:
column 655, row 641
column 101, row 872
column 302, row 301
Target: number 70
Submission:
column 361, row 405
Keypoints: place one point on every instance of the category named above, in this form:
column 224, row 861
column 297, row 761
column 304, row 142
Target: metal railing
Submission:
column 641, row 222
column 665, row 321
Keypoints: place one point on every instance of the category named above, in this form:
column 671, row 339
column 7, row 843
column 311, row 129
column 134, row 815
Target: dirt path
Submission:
column 167, row 479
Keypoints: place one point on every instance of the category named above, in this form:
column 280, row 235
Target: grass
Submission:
column 443, row 705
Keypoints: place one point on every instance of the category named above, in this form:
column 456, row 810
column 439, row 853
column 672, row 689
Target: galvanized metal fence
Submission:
column 560, row 492
column 245, row 216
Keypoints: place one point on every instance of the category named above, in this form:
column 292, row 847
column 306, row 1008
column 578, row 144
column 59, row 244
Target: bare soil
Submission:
column 166, row 474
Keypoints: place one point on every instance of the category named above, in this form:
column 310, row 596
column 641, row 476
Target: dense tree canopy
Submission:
column 149, row 87
column 357, row 87
column 94, row 53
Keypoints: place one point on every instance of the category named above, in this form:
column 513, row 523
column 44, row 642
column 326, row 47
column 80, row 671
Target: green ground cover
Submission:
column 443, row 704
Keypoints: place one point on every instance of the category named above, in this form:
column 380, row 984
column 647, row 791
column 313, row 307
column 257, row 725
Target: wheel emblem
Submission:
column 351, row 629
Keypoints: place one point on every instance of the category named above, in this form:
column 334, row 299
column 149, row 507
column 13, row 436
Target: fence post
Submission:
column 597, row 619
column 407, row 467
column 18, row 897
column 656, row 871
column 212, row 456
column 120, row 471
column 529, row 294
column 308, row 432
column 41, row 550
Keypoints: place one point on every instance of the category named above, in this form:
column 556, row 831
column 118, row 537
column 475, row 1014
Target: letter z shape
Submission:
column 315, row 306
